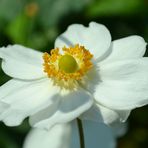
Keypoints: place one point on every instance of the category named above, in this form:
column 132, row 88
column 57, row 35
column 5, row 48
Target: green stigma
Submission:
column 68, row 64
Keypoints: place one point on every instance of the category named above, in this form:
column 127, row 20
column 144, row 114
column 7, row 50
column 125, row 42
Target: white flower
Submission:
column 67, row 136
column 86, row 76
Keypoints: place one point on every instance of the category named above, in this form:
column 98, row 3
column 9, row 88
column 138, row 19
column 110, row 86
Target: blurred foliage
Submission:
column 37, row 23
column 116, row 7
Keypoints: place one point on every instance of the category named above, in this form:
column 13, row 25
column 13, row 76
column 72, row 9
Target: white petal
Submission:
column 71, row 106
column 67, row 136
column 21, row 62
column 75, row 139
column 119, row 129
column 3, row 106
column 124, row 84
column 26, row 98
column 111, row 116
column 91, row 79
column 98, row 113
column 108, row 115
column 98, row 135
column 127, row 48
column 93, row 114
column 58, row 137
column 96, row 38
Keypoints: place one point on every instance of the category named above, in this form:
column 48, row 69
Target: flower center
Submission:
column 70, row 66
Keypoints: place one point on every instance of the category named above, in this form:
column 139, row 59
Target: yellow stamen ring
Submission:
column 71, row 65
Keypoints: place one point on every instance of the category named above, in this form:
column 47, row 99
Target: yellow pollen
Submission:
column 70, row 66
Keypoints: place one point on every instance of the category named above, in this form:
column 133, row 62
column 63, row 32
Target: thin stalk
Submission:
column 81, row 133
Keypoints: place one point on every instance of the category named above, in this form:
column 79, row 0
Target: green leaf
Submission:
column 114, row 7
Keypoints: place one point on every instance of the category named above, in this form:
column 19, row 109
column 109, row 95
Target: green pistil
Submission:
column 68, row 64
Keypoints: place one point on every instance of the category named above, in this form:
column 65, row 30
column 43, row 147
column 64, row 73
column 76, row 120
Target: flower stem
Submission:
column 81, row 133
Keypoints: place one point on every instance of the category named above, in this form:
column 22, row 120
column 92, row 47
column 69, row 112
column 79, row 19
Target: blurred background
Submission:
column 37, row 23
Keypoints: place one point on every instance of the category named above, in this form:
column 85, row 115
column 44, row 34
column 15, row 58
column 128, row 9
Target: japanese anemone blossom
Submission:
column 85, row 76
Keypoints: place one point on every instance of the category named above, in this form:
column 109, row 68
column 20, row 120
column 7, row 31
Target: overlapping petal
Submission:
column 25, row 98
column 72, row 105
column 99, row 113
column 124, row 84
column 96, row 38
column 98, row 135
column 67, row 136
column 119, row 128
column 131, row 47
column 3, row 106
column 58, row 137
column 21, row 62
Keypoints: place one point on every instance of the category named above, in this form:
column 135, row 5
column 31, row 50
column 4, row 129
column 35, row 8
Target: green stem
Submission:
column 81, row 133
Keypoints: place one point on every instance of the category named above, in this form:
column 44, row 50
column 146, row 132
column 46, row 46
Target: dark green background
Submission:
column 37, row 23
